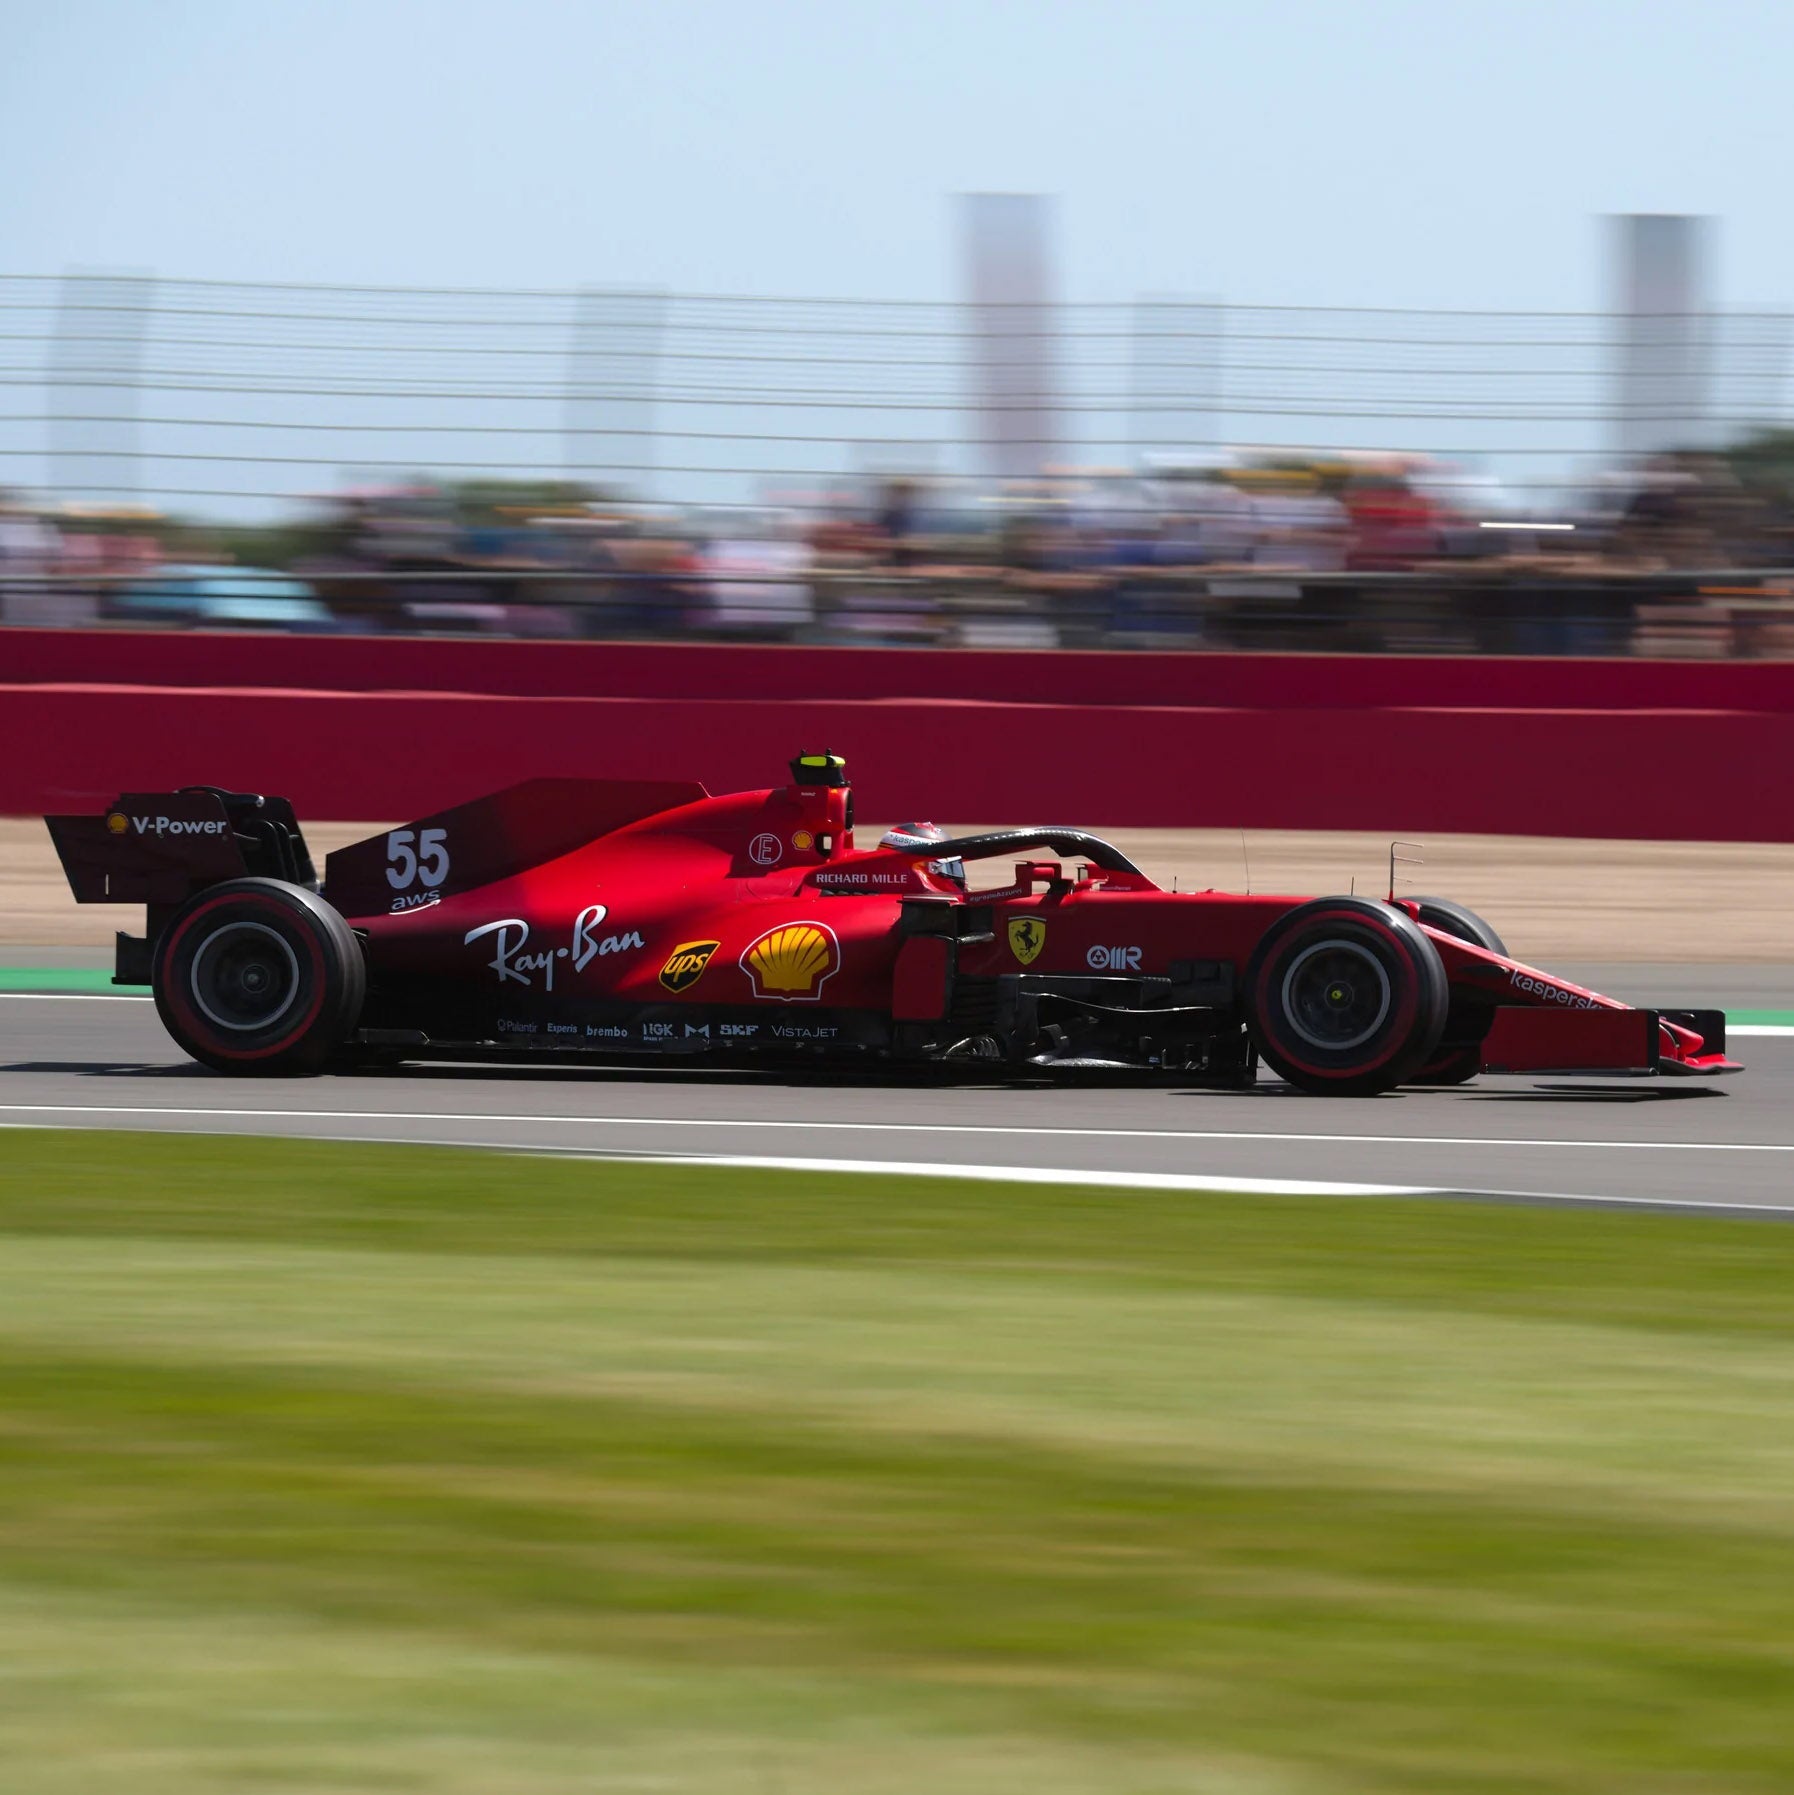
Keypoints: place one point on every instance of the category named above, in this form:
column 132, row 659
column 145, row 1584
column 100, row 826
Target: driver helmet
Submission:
column 912, row 838
column 918, row 838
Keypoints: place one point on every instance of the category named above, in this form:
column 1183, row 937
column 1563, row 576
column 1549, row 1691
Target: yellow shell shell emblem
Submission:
column 118, row 822
column 791, row 963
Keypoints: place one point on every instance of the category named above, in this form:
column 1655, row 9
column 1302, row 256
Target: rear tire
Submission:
column 1345, row 997
column 259, row 978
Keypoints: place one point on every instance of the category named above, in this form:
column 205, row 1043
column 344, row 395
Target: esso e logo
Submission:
column 766, row 850
column 1113, row 959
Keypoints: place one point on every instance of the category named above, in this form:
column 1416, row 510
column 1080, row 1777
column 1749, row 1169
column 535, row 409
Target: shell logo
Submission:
column 118, row 822
column 791, row 964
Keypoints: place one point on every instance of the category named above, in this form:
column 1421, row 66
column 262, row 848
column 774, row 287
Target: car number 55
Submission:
column 428, row 861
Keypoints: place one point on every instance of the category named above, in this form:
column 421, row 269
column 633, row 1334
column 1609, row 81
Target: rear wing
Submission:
column 158, row 848
column 490, row 838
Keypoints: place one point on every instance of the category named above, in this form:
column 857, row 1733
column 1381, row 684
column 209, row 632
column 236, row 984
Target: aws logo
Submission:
column 686, row 963
column 791, row 964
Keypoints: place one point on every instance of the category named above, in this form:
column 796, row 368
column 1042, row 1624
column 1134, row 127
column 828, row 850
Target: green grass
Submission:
column 62, row 978
column 375, row 1469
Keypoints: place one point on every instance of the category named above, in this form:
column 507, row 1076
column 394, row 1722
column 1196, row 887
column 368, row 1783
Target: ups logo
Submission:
column 686, row 963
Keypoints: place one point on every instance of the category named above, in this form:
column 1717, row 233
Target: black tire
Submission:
column 259, row 978
column 1453, row 919
column 1451, row 1065
column 1459, row 1060
column 1345, row 997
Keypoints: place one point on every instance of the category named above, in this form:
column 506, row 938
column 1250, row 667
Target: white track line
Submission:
column 910, row 1168
column 1197, row 1181
column 1220, row 1183
column 73, row 997
column 1276, row 1137
column 958, row 1168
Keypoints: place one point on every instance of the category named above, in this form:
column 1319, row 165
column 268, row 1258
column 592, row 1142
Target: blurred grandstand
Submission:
column 628, row 464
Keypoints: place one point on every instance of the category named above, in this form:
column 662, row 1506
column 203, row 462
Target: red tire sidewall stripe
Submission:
column 1399, row 1028
column 175, row 993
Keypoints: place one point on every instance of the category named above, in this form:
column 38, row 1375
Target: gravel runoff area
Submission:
column 1551, row 899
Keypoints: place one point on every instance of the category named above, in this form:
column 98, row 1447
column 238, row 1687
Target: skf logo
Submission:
column 1027, row 936
column 686, row 963
column 118, row 822
column 791, row 964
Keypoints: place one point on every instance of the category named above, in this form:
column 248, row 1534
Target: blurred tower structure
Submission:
column 96, row 358
column 1174, row 382
column 612, row 379
column 1012, row 331
column 1664, row 362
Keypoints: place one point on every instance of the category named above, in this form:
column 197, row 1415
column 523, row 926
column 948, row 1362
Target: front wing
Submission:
column 1676, row 1043
column 1545, row 1024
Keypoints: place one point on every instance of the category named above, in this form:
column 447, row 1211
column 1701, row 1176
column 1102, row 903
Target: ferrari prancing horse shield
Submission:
column 1027, row 936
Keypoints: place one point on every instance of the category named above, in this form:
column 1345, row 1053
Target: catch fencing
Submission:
column 238, row 400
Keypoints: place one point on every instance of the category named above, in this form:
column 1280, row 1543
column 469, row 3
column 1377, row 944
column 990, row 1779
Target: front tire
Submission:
column 1345, row 997
column 1459, row 920
column 259, row 978
column 1460, row 1055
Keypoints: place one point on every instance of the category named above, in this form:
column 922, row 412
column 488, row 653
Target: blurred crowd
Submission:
column 1372, row 552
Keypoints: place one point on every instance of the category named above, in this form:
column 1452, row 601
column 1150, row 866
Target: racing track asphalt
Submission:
column 103, row 1061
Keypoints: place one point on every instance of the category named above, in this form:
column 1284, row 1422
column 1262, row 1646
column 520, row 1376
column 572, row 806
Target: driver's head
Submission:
column 912, row 838
column 923, row 838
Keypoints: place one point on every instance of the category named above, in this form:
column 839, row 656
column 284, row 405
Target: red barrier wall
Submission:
column 372, row 727
column 1715, row 774
column 685, row 670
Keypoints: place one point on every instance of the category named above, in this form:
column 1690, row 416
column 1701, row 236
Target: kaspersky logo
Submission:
column 791, row 964
column 685, row 964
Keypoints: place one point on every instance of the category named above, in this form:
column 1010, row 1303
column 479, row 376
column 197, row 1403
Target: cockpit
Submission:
column 945, row 855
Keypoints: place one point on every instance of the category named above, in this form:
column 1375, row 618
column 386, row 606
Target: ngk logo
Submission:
column 1113, row 959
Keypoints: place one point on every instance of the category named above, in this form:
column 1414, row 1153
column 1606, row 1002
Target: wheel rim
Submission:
column 245, row 977
column 1336, row 995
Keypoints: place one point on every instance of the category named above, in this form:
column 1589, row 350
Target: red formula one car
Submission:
column 618, row 920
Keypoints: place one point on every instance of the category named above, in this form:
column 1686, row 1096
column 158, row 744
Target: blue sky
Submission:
column 1398, row 153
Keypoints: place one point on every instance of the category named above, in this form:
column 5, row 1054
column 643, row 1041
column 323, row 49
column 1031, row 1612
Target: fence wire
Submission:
column 225, row 397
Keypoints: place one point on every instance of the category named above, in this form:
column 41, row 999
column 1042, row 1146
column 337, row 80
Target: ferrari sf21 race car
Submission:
column 619, row 921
